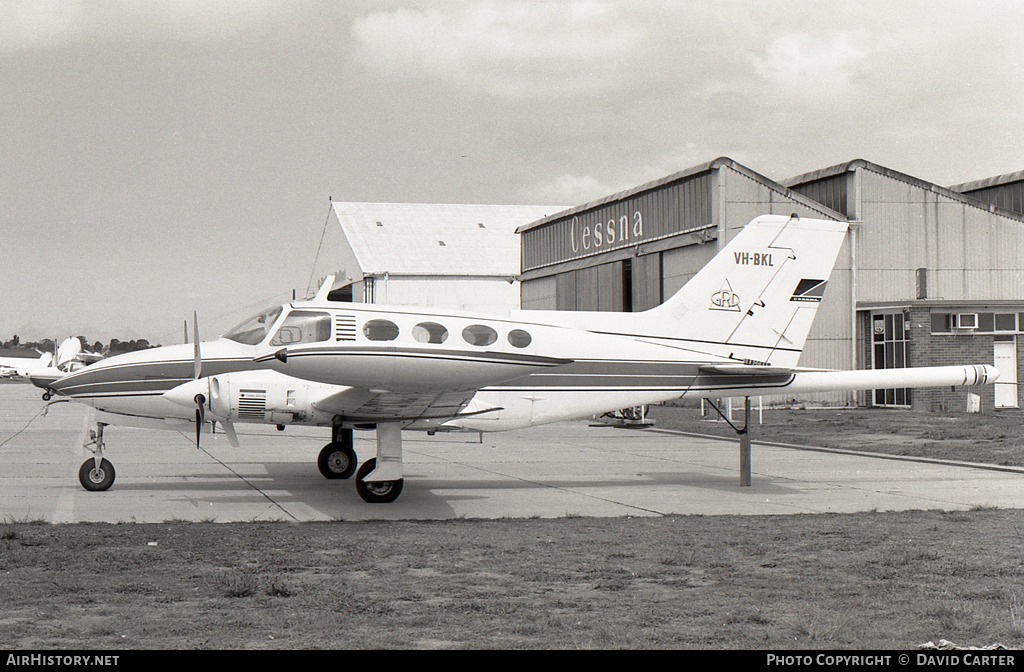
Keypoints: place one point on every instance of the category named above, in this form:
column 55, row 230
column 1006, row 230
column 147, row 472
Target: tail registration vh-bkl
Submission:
column 736, row 329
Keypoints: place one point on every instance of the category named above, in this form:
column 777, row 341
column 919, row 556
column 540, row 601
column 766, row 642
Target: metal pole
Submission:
column 745, row 445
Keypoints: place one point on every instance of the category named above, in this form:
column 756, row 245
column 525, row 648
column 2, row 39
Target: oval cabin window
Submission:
column 380, row 330
column 519, row 338
column 479, row 335
column 429, row 332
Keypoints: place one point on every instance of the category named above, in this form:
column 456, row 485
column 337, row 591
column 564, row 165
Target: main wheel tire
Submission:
column 337, row 460
column 95, row 479
column 383, row 492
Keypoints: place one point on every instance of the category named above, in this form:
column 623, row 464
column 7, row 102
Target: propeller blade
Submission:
column 198, row 369
column 229, row 429
column 200, row 416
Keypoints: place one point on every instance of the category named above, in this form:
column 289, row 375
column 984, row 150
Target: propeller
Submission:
column 200, row 399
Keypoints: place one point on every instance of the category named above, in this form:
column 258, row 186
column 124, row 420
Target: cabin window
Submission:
column 519, row 338
column 380, row 330
column 303, row 326
column 479, row 335
column 429, row 332
column 255, row 329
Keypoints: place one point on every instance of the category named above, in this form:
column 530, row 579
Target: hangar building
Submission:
column 936, row 279
column 928, row 275
column 459, row 256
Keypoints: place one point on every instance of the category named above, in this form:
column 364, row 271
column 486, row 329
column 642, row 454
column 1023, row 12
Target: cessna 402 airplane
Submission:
column 735, row 329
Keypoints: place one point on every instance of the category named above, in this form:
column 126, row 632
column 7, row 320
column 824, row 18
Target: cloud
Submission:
column 567, row 189
column 524, row 49
column 823, row 63
column 25, row 24
column 36, row 24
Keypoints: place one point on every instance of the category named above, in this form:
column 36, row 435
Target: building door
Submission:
column 890, row 340
column 1005, row 360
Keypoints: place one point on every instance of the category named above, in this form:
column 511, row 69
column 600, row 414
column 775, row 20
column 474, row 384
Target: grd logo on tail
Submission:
column 725, row 299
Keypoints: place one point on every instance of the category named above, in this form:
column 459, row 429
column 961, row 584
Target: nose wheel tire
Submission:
column 383, row 492
column 337, row 460
column 95, row 479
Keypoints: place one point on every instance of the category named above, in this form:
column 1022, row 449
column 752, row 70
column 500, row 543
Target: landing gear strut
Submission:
column 96, row 473
column 379, row 480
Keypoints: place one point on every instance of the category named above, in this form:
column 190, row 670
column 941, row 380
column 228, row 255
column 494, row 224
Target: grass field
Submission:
column 990, row 438
column 873, row 580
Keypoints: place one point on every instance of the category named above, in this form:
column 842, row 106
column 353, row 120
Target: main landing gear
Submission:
column 375, row 485
column 378, row 481
column 96, row 473
column 338, row 458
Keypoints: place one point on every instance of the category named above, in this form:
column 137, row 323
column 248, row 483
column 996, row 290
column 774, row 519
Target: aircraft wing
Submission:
column 744, row 370
column 362, row 404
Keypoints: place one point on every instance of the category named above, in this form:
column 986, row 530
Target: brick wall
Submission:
column 927, row 349
column 943, row 350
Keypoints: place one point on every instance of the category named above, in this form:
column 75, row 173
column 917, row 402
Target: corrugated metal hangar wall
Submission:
column 916, row 254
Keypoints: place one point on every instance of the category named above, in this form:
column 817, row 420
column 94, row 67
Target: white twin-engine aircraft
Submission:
column 736, row 329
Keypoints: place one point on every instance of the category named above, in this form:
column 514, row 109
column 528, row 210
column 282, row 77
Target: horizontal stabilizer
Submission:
column 928, row 376
column 764, row 381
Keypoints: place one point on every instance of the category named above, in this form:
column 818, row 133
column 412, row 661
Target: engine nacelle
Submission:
column 267, row 397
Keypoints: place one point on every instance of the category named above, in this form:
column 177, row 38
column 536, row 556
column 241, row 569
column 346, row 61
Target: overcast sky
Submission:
column 162, row 157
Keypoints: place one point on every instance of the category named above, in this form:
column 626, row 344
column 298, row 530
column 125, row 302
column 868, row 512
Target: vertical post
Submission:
column 745, row 445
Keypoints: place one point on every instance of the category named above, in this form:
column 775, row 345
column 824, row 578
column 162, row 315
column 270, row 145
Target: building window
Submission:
column 380, row 330
column 942, row 323
column 983, row 323
column 479, row 335
column 429, row 332
column 890, row 340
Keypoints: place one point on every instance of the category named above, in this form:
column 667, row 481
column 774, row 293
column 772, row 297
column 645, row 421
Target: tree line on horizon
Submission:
column 115, row 346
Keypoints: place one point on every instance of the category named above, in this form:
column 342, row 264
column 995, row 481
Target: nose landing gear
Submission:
column 96, row 473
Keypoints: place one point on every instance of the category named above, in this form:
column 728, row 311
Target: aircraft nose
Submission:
column 47, row 379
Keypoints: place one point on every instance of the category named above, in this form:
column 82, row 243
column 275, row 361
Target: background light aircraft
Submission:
column 737, row 328
column 70, row 357
column 23, row 366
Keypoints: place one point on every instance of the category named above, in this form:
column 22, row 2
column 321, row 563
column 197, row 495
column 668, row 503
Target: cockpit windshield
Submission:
column 255, row 329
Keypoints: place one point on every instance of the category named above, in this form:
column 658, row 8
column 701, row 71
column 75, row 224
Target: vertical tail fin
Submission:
column 759, row 295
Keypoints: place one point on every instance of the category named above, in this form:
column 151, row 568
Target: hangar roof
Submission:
column 988, row 182
column 953, row 193
column 675, row 177
column 435, row 238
